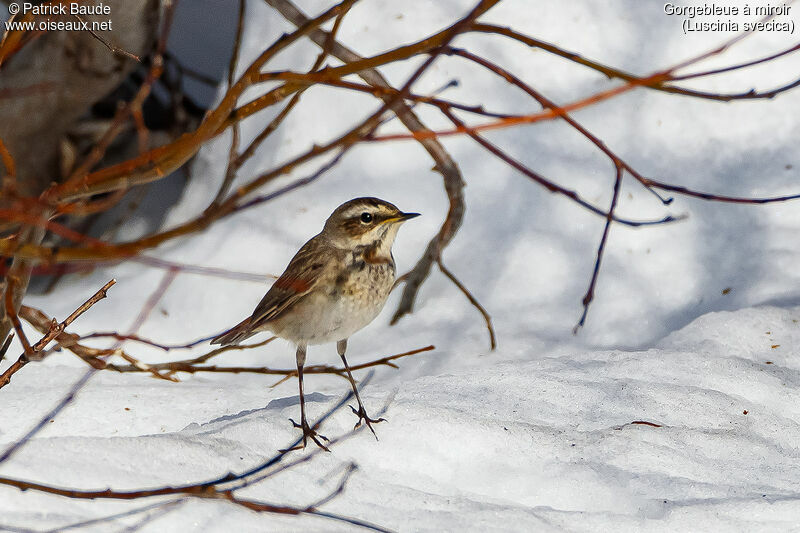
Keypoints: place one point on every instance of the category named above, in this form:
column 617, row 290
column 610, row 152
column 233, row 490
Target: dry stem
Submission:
column 54, row 331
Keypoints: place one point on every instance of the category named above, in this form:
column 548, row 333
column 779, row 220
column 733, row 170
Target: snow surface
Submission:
column 537, row 435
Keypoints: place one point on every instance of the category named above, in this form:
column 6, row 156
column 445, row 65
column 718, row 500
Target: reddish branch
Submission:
column 443, row 162
column 56, row 328
column 9, row 181
column 5, row 346
column 11, row 313
column 154, row 164
column 125, row 111
column 96, row 356
column 67, row 399
column 612, row 72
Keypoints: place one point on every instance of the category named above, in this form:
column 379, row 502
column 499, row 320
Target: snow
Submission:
column 538, row 435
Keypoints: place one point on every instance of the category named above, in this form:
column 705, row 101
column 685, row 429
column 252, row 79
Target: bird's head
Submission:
column 365, row 221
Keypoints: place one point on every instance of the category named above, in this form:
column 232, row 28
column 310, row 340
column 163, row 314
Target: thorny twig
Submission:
column 55, row 329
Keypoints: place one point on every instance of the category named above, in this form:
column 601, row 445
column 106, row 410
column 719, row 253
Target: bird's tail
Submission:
column 236, row 334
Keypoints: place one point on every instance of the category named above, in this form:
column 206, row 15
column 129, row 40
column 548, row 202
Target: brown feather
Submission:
column 235, row 335
column 371, row 256
column 316, row 263
column 299, row 278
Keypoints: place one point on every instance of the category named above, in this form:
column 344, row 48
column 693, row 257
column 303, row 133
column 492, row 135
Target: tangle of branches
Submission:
column 93, row 186
column 89, row 190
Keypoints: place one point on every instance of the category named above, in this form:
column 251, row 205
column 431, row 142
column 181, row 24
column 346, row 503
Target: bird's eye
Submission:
column 366, row 218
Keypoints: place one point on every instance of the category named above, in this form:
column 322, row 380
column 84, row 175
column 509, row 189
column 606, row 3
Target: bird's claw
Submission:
column 309, row 433
column 362, row 415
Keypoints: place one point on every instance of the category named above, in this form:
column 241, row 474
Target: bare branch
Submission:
column 587, row 299
column 6, row 344
column 53, row 332
column 11, row 313
column 115, row 49
column 474, row 301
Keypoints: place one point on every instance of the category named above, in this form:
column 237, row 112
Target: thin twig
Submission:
column 192, row 366
column 549, row 104
column 84, row 379
column 96, row 297
column 587, row 299
column 230, row 171
column 11, row 313
column 655, row 85
column 10, row 176
column 474, row 301
column 551, row 186
column 114, row 48
column 161, row 506
column 6, row 344
column 123, row 112
column 235, row 163
column 137, row 338
column 54, row 330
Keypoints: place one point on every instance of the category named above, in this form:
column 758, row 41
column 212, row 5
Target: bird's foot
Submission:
column 362, row 415
column 309, row 433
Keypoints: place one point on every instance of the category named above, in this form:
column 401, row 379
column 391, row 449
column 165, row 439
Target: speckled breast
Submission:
column 356, row 296
column 360, row 293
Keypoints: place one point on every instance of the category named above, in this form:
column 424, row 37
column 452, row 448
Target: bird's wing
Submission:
column 301, row 276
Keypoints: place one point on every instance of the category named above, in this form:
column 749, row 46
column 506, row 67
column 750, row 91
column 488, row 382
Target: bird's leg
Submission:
column 341, row 347
column 308, row 431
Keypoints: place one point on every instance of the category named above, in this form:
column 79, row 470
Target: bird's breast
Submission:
column 363, row 278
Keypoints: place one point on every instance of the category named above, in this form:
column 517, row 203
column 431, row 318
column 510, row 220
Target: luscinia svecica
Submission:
column 336, row 284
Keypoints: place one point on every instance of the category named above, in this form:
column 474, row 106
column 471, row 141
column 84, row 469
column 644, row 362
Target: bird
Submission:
column 335, row 285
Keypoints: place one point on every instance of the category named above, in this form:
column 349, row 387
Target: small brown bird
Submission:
column 336, row 284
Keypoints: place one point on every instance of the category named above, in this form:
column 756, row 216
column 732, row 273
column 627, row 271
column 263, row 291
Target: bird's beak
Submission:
column 407, row 216
column 402, row 217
